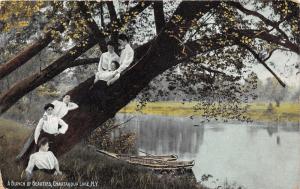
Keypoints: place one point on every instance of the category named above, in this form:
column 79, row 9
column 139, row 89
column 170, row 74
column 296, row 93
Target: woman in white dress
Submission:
column 126, row 57
column 106, row 59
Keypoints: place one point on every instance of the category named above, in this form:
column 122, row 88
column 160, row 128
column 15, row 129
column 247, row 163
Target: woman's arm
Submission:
column 112, row 80
column 30, row 167
column 129, row 55
column 56, row 166
column 38, row 129
column 72, row 106
column 100, row 64
column 64, row 126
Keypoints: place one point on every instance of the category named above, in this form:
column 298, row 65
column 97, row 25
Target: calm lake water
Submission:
column 251, row 155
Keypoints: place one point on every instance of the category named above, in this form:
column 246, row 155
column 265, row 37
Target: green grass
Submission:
column 83, row 164
column 287, row 111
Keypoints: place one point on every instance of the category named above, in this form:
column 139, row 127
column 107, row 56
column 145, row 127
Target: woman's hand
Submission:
column 57, row 172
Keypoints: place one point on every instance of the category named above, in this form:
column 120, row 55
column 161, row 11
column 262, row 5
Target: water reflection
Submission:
column 256, row 156
column 278, row 140
column 272, row 130
column 170, row 135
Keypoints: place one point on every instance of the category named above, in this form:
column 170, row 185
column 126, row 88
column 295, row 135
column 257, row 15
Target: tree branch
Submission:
column 93, row 27
column 22, row 87
column 266, row 37
column 112, row 12
column 159, row 16
column 263, row 63
column 89, row 115
column 29, row 52
column 260, row 16
column 86, row 61
column 106, row 130
column 271, row 53
column 101, row 15
column 114, row 22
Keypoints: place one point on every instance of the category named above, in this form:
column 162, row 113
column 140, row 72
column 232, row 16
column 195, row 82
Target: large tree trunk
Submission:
column 153, row 58
column 194, row 48
column 160, row 55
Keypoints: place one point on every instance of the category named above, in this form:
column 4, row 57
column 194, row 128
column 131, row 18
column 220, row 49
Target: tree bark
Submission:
column 92, row 26
column 25, row 55
column 159, row 16
column 19, row 89
column 264, row 35
column 114, row 24
column 153, row 58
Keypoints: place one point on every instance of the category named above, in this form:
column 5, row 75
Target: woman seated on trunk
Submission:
column 49, row 125
column 107, row 76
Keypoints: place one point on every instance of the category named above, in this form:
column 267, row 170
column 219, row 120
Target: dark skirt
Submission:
column 48, row 171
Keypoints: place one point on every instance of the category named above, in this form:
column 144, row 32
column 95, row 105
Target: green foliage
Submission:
column 83, row 164
column 216, row 75
column 123, row 143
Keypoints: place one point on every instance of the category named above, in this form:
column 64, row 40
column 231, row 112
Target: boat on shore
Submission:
column 160, row 163
column 134, row 157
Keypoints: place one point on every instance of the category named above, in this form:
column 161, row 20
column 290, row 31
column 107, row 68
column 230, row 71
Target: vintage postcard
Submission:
column 150, row 94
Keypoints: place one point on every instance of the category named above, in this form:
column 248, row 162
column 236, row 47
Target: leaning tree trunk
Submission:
column 153, row 59
column 28, row 53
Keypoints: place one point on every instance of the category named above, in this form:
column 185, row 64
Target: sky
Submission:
column 284, row 68
column 284, row 63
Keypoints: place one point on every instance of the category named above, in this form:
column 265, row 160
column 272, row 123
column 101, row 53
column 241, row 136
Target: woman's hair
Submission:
column 48, row 106
column 123, row 37
column 116, row 63
column 43, row 141
column 111, row 43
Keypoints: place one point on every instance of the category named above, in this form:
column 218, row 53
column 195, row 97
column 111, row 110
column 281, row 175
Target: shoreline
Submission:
column 287, row 112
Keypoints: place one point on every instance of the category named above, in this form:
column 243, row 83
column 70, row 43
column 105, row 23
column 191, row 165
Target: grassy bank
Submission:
column 82, row 164
column 257, row 111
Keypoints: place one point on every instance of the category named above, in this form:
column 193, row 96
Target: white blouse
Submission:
column 42, row 160
column 104, row 75
column 126, row 58
column 61, row 108
column 106, row 60
column 50, row 125
column 1, row 181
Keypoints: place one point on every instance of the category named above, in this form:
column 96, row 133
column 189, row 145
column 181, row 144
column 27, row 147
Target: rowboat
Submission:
column 136, row 158
column 163, row 157
column 162, row 163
